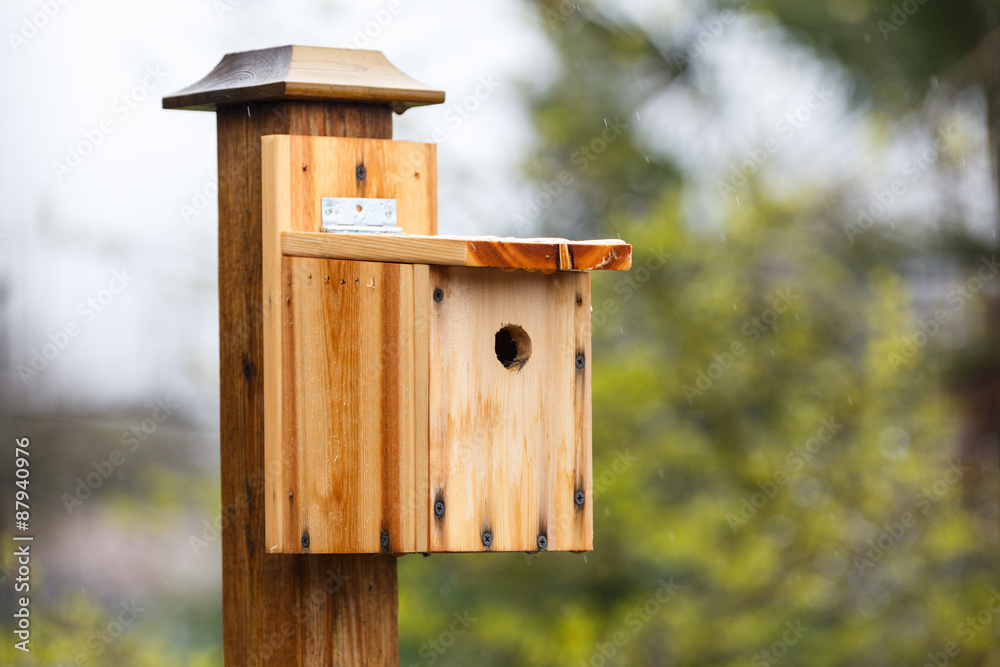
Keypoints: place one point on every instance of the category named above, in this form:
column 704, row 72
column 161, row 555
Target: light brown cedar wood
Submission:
column 346, row 418
column 485, row 251
column 509, row 448
column 349, row 362
column 280, row 610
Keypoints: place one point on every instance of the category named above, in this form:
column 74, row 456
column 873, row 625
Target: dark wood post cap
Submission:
column 304, row 73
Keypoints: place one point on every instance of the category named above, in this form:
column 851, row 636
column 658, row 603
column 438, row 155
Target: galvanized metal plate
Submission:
column 360, row 215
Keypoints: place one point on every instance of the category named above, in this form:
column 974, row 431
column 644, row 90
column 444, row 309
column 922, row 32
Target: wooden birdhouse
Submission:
column 422, row 393
column 383, row 390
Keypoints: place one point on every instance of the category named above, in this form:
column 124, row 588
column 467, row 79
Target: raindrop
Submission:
column 780, row 531
column 584, row 558
column 893, row 443
column 849, row 401
column 605, row 122
column 807, row 492
column 661, row 473
column 637, row 116
column 647, row 158
column 607, row 512
column 737, row 200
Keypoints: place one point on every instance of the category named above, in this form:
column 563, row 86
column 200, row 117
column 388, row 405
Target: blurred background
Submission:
column 795, row 387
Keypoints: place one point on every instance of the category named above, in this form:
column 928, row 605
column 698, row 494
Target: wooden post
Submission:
column 281, row 609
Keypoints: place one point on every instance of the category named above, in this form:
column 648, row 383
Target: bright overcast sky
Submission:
column 65, row 230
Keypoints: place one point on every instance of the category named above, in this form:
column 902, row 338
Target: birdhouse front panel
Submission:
column 510, row 424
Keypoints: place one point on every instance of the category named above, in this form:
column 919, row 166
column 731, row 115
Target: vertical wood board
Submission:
column 329, row 440
column 283, row 611
column 509, row 447
column 350, row 364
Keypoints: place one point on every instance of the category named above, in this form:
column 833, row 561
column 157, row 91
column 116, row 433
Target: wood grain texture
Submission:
column 509, row 447
column 280, row 610
column 483, row 251
column 348, row 408
column 329, row 167
column 341, row 400
column 304, row 73
column 421, row 405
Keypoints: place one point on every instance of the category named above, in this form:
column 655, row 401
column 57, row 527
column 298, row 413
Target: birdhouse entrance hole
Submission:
column 513, row 347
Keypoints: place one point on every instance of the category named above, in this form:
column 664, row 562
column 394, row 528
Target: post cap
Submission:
column 304, row 73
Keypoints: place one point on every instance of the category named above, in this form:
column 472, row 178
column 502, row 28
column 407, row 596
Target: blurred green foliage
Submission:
column 79, row 630
column 774, row 435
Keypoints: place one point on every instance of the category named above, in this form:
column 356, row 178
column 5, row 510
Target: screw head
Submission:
column 579, row 498
column 579, row 361
column 305, row 540
column 542, row 542
column 360, row 172
column 487, row 538
column 439, row 509
column 384, row 540
column 438, row 295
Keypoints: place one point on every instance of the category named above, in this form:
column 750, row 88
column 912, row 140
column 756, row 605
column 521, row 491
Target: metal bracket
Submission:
column 360, row 215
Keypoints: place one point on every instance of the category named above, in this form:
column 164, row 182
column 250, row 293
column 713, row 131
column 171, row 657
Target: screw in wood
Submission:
column 305, row 540
column 438, row 295
column 487, row 538
column 360, row 172
column 384, row 540
column 579, row 361
column 578, row 498
column 542, row 542
column 439, row 509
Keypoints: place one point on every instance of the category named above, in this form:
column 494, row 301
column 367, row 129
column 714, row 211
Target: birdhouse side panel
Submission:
column 350, row 408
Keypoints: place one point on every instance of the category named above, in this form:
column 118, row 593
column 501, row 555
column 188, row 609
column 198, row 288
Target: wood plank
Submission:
column 304, row 73
column 279, row 610
column 348, row 453
column 578, row 520
column 329, row 167
column 480, row 251
column 423, row 503
column 278, row 453
column 508, row 445
column 351, row 347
